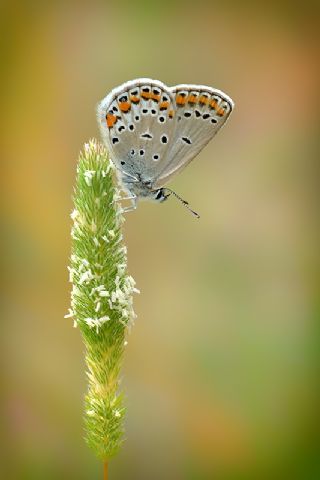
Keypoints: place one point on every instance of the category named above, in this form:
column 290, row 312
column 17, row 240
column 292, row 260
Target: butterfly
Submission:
column 153, row 131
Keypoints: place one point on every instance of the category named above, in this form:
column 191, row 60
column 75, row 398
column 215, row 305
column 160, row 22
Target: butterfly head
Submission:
column 161, row 194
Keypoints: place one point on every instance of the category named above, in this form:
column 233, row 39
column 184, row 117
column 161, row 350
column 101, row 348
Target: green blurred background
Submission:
column 220, row 369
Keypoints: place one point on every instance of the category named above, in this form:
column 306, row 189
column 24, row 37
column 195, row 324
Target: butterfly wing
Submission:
column 200, row 112
column 137, row 125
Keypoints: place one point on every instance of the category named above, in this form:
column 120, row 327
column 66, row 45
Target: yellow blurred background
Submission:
column 220, row 369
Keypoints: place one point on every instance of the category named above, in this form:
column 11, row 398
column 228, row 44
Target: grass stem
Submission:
column 105, row 470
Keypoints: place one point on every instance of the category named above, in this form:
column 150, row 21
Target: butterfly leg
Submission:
column 128, row 197
column 133, row 205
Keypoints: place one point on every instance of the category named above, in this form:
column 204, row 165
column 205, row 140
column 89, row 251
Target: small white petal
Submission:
column 74, row 214
column 86, row 277
column 69, row 314
column 100, row 287
column 104, row 293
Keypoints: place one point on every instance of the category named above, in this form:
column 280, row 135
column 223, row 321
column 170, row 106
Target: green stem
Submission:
column 105, row 470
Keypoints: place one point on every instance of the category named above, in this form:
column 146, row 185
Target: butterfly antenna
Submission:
column 184, row 202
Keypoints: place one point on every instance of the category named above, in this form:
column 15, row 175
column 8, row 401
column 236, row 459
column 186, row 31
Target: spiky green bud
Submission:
column 101, row 296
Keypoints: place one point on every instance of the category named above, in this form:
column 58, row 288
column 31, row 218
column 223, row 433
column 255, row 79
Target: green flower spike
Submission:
column 101, row 296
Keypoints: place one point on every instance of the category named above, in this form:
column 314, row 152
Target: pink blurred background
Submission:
column 220, row 369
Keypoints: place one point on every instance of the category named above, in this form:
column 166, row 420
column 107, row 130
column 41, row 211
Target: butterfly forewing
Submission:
column 137, row 124
column 200, row 112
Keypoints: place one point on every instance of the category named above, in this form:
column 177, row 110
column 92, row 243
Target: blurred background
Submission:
column 220, row 369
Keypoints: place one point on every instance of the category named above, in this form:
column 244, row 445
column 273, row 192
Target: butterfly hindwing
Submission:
column 200, row 112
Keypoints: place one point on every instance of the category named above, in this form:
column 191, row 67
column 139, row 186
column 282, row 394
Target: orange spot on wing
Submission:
column 180, row 100
column 134, row 99
column 171, row 113
column 214, row 104
column 146, row 95
column 111, row 120
column 125, row 106
column 192, row 98
column 164, row 105
column 155, row 97
column 203, row 100
column 220, row 112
